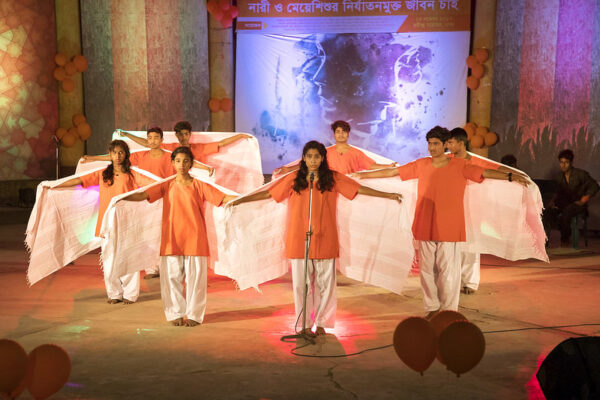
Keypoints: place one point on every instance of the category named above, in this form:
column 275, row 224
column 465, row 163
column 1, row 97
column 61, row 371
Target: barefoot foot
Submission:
column 320, row 331
column 307, row 332
column 177, row 322
column 127, row 301
column 430, row 314
column 468, row 290
column 114, row 301
column 151, row 276
column 191, row 322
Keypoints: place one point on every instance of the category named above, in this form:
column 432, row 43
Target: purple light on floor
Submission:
column 74, row 385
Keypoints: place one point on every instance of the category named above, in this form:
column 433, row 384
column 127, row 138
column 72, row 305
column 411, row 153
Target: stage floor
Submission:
column 129, row 351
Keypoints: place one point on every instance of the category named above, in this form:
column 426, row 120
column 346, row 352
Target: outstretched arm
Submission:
column 69, row 183
column 510, row 176
column 139, row 196
column 285, row 170
column 210, row 169
column 383, row 173
column 228, row 198
column 379, row 166
column 504, row 169
column 137, row 139
column 262, row 195
column 88, row 158
column 233, row 139
column 377, row 193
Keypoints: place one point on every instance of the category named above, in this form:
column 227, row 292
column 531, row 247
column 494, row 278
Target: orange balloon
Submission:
column 461, row 346
column 471, row 61
column 80, row 62
column 477, row 141
column 226, row 21
column 60, row 74
column 481, row 54
column 13, row 366
column 60, row 132
column 481, row 131
column 472, row 82
column 233, row 11
column 414, row 342
column 470, row 129
column 218, row 13
column 214, row 105
column 226, row 104
column 70, row 138
column 70, row 68
column 60, row 59
column 48, row 371
column 84, row 130
column 68, row 85
column 477, row 71
column 490, row 138
column 211, row 6
column 224, row 4
column 78, row 119
column 441, row 320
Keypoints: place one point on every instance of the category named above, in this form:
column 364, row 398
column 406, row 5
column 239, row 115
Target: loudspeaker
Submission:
column 572, row 370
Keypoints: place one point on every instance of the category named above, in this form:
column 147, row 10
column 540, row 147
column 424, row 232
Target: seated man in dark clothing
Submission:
column 575, row 187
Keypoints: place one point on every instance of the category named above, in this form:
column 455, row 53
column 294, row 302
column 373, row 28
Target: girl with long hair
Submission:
column 321, row 301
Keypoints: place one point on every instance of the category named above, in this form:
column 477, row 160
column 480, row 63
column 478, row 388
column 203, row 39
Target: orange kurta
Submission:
column 183, row 225
column 351, row 161
column 324, row 241
column 439, row 214
column 122, row 183
column 480, row 162
column 162, row 166
column 199, row 150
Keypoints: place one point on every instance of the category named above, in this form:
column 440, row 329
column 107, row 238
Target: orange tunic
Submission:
column 439, row 214
column 324, row 241
column 122, row 184
column 183, row 226
column 351, row 161
column 480, row 162
column 161, row 167
column 199, row 150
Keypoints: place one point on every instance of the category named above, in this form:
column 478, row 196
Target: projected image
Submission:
column 392, row 88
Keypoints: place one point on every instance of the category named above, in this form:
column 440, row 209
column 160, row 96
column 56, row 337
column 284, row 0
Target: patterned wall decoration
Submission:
column 546, row 88
column 28, row 99
column 148, row 65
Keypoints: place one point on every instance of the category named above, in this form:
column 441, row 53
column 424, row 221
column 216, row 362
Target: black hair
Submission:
column 326, row 181
column 182, row 125
column 183, row 150
column 509, row 159
column 155, row 129
column 438, row 132
column 568, row 154
column 460, row 135
column 340, row 124
column 108, row 175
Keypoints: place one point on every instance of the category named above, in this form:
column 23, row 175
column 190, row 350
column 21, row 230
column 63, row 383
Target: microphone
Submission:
column 312, row 179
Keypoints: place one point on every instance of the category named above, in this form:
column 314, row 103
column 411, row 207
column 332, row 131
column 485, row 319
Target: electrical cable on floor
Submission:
column 391, row 345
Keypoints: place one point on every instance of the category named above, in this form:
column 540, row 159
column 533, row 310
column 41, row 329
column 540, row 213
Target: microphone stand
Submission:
column 303, row 334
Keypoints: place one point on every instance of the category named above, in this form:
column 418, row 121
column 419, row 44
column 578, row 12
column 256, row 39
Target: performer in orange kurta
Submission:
column 341, row 157
column 184, row 245
column 439, row 223
column 324, row 245
column 471, row 262
column 116, row 179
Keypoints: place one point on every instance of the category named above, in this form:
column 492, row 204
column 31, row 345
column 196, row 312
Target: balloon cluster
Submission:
column 475, row 63
column 448, row 336
column 223, row 11
column 43, row 372
column 65, row 69
column 224, row 104
column 80, row 130
column 479, row 136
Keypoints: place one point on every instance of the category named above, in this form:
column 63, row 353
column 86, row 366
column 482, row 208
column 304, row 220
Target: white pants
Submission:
column 125, row 287
column 470, row 270
column 173, row 269
column 321, row 300
column 440, row 274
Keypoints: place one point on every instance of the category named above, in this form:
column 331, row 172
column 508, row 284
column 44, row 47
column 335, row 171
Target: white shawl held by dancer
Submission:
column 237, row 166
column 61, row 225
column 133, row 232
column 374, row 234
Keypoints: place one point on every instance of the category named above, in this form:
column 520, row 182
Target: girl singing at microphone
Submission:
column 321, row 302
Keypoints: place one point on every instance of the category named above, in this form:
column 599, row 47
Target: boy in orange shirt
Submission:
column 116, row 179
column 439, row 223
column 183, row 132
column 184, row 245
column 321, row 302
column 342, row 157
